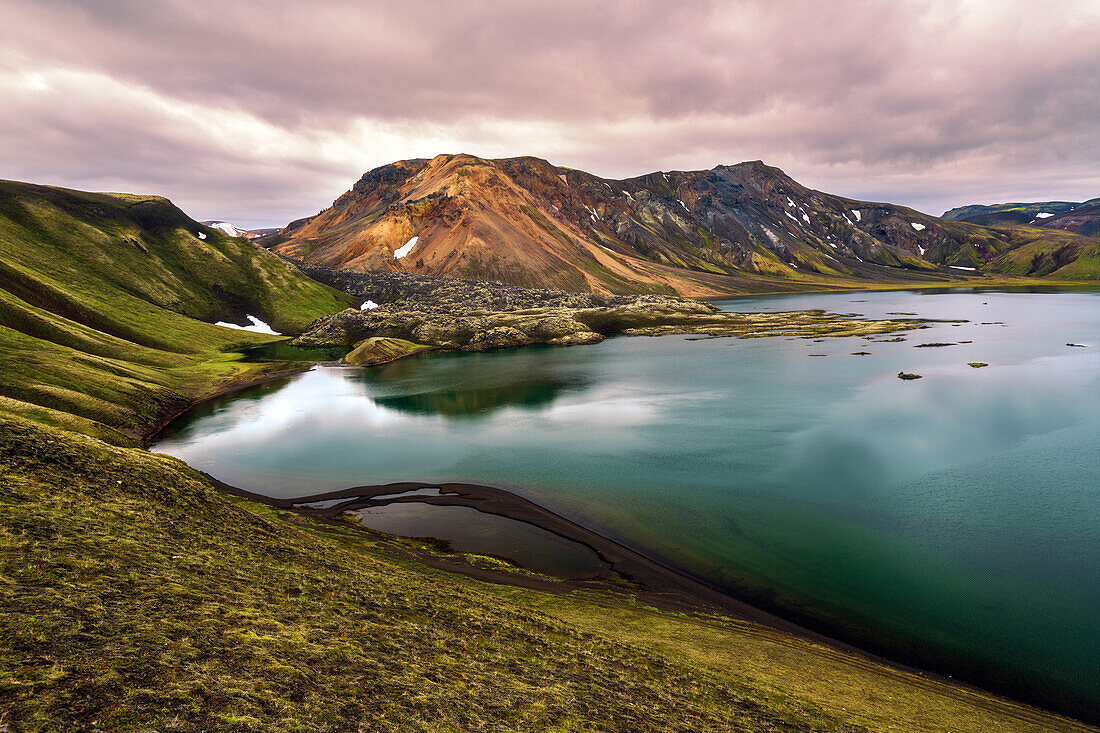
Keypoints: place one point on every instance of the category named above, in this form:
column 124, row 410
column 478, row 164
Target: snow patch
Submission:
column 226, row 228
column 856, row 213
column 790, row 217
column 562, row 177
column 918, row 227
column 1043, row 215
column 831, row 244
column 627, row 194
column 257, row 326
column 684, row 205
column 200, row 235
column 789, row 202
column 804, row 216
column 960, row 267
column 403, row 251
column 368, row 306
column 921, row 250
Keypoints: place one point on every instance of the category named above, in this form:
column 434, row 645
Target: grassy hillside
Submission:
column 107, row 304
column 138, row 597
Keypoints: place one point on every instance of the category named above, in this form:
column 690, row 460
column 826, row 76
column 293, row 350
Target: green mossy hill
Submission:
column 136, row 597
column 380, row 350
column 107, row 260
column 106, row 304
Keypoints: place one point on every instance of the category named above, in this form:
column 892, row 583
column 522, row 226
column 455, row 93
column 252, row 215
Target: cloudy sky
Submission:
column 260, row 113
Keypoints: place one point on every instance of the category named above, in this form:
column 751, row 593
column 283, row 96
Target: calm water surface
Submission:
column 468, row 530
column 953, row 520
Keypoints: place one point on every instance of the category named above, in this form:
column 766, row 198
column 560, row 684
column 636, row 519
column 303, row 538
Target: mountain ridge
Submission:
column 524, row 221
column 1078, row 217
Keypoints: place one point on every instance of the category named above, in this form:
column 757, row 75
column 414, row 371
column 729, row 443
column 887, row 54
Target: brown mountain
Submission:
column 733, row 228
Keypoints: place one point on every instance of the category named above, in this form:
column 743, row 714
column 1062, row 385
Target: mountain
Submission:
column 1077, row 217
column 729, row 229
column 108, row 303
column 233, row 230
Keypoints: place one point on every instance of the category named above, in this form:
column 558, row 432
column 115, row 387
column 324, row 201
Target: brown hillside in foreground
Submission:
column 733, row 228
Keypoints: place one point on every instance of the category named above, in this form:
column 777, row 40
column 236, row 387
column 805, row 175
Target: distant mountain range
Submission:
column 1078, row 217
column 733, row 228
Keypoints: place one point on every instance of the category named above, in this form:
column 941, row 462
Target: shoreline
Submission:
column 180, row 408
column 148, row 433
column 661, row 586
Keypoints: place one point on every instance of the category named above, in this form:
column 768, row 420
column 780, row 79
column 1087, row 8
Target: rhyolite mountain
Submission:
column 733, row 228
column 1082, row 217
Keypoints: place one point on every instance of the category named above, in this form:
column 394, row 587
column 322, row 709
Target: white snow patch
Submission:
column 960, row 267
column 804, row 216
column 368, row 306
column 200, row 235
column 848, row 220
column 831, row 244
column 857, row 257
column 1043, row 215
column 665, row 175
column 790, row 217
column 918, row 227
column 789, row 202
column 859, row 217
column 403, row 251
column 562, row 177
column 793, row 265
column 257, row 326
column 921, row 250
column 684, row 205
column 226, row 228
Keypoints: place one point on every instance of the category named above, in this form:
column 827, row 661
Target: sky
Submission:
column 259, row 113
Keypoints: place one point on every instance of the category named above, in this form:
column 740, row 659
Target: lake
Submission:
column 951, row 521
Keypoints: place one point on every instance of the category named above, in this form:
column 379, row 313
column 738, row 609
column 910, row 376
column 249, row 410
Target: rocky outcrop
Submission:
column 449, row 325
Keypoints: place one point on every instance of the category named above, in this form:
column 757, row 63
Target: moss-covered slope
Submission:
column 136, row 597
column 107, row 303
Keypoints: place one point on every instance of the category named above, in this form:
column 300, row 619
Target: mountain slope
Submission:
column 729, row 229
column 107, row 302
column 1077, row 217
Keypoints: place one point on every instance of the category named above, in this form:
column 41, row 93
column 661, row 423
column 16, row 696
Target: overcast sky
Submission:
column 260, row 113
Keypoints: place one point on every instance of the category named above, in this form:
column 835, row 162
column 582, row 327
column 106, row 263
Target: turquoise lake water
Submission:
column 951, row 521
